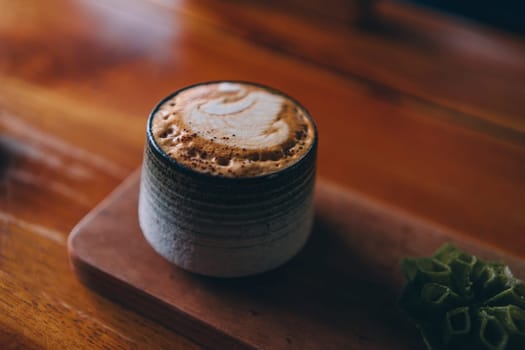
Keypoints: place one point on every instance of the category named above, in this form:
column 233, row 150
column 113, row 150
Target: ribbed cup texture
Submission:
column 225, row 227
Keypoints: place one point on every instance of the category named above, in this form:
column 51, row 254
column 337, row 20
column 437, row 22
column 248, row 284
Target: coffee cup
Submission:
column 228, row 178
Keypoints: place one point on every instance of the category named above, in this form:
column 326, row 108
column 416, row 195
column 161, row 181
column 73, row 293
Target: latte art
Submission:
column 232, row 129
column 251, row 117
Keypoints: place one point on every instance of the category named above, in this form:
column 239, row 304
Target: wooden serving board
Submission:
column 340, row 292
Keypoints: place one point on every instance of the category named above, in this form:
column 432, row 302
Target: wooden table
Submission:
column 418, row 110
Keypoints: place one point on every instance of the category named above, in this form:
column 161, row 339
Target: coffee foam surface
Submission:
column 232, row 129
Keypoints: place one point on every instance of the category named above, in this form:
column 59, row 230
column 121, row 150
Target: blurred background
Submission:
column 506, row 14
column 428, row 97
column 420, row 106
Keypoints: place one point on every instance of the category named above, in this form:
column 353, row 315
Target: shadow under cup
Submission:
column 223, row 226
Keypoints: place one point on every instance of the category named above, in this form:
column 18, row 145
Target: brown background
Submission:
column 418, row 110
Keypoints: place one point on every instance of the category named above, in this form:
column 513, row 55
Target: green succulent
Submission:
column 461, row 302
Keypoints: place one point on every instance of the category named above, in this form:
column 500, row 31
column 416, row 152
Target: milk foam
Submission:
column 233, row 129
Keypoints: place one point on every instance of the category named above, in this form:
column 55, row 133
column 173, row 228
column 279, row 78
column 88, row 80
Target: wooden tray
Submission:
column 340, row 292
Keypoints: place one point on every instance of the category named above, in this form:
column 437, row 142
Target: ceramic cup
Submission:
column 225, row 226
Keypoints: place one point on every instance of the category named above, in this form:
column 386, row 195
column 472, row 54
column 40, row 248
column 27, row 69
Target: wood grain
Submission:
column 77, row 79
column 340, row 292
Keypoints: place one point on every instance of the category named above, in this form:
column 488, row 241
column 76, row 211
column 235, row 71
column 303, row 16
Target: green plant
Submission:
column 461, row 302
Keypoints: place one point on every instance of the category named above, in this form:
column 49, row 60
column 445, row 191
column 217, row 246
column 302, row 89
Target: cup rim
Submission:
column 185, row 169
